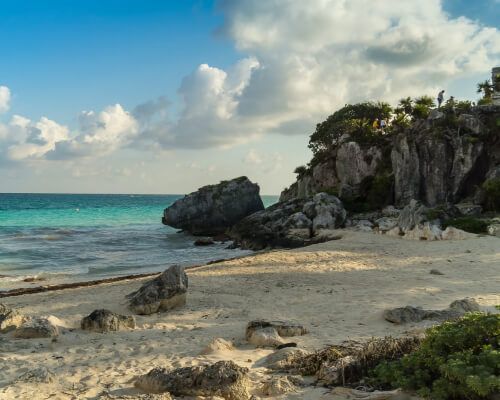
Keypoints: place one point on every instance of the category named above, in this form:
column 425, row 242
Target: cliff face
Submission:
column 442, row 159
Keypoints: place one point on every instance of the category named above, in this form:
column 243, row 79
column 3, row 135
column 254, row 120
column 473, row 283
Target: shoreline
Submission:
column 337, row 290
column 95, row 282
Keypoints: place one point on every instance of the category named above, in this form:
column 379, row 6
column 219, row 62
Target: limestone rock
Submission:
column 107, row 321
column 36, row 327
column 282, row 358
column 426, row 231
column 10, row 319
column 385, row 224
column 215, row 208
column 224, row 378
column 413, row 215
column 292, row 223
column 265, row 337
column 407, row 314
column 284, row 328
column 163, row 293
column 280, row 385
column 217, row 345
column 37, row 375
column 451, row 233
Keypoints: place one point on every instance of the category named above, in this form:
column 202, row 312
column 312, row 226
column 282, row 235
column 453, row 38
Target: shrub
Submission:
column 456, row 360
column 300, row 171
column 491, row 189
column 468, row 224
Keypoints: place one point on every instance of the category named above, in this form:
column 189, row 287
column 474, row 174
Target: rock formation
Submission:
column 213, row 209
column 407, row 314
column 9, row 319
column 163, row 293
column 445, row 158
column 224, row 378
column 292, row 223
column 35, row 328
column 107, row 321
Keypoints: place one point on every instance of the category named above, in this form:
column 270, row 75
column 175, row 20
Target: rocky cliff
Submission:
column 444, row 157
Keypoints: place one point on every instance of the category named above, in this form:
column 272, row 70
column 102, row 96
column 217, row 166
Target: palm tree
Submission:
column 486, row 88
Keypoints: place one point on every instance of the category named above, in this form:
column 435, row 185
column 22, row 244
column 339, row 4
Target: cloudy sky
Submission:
column 149, row 96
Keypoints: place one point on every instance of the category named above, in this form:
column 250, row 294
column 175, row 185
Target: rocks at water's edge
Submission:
column 224, row 378
column 458, row 308
column 212, row 209
column 292, row 223
column 107, row 321
column 163, row 293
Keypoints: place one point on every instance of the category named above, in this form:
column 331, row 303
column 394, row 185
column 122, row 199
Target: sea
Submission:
column 78, row 237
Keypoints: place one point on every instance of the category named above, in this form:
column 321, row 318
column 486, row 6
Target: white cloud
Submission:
column 4, row 99
column 252, row 157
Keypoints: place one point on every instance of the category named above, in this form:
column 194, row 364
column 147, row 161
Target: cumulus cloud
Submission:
column 303, row 60
column 4, row 99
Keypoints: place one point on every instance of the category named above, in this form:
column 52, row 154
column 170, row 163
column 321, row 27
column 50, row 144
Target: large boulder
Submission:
column 107, row 321
column 163, row 293
column 224, row 378
column 37, row 328
column 213, row 209
column 291, row 223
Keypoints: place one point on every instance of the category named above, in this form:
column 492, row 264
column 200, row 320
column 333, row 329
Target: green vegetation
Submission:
column 300, row 171
column 456, row 360
column 486, row 88
column 468, row 224
column 355, row 120
column 491, row 189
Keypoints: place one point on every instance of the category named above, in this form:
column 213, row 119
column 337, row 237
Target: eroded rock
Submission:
column 107, row 321
column 163, row 293
column 36, row 327
column 224, row 378
column 10, row 319
column 37, row 375
column 218, row 345
column 283, row 328
column 457, row 309
column 280, row 385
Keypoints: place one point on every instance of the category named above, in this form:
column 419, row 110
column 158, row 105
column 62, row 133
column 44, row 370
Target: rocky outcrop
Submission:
column 224, row 378
column 36, row 328
column 213, row 209
column 292, row 223
column 163, row 293
column 107, row 321
column 442, row 159
column 457, row 309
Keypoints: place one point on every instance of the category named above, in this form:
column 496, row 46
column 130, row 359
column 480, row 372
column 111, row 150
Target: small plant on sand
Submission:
column 456, row 360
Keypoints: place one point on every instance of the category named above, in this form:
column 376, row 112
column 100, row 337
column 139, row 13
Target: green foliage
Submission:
column 410, row 109
column 491, row 189
column 300, row 171
column 456, row 360
column 355, row 120
column 486, row 88
column 468, row 224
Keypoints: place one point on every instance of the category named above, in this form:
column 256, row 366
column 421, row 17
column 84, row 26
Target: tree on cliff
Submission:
column 352, row 119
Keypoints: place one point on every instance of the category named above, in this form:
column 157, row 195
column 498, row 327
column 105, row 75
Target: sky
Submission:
column 150, row 96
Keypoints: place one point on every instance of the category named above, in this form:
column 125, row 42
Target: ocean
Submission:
column 72, row 237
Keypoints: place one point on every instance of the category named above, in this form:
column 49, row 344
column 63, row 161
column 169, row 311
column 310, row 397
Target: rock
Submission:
column 284, row 328
column 331, row 374
column 472, row 123
column 215, row 208
column 426, row 231
column 218, row 345
column 224, row 378
column 391, row 212
column 204, row 242
column 36, row 327
column 435, row 115
column 385, row 224
column 280, row 385
column 10, row 319
column 494, row 229
column 107, row 321
column 413, row 215
column 407, row 314
column 342, row 393
column 163, row 293
column 292, row 223
column 265, row 337
column 435, row 272
column 280, row 359
column 37, row 375
column 469, row 210
column 451, row 233
column 395, row 232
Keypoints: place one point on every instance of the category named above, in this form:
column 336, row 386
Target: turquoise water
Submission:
column 87, row 236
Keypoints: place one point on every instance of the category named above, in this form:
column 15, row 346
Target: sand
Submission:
column 338, row 290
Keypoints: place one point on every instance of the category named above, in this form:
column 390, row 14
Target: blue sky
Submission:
column 243, row 83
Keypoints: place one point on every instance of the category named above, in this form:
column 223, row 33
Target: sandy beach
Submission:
column 337, row 289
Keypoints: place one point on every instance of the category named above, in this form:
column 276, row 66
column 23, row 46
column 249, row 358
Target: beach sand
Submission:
column 337, row 289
